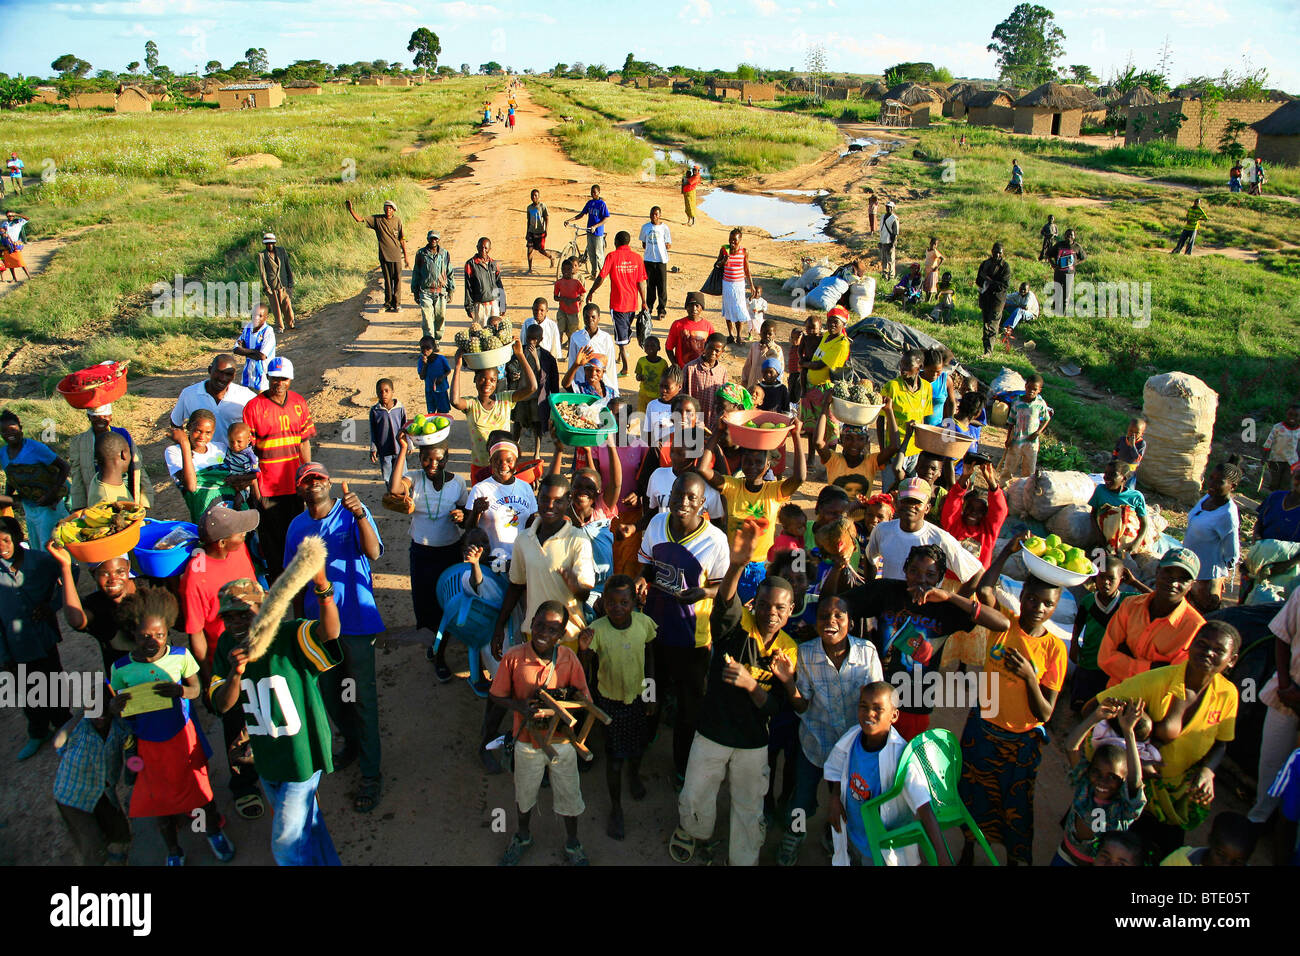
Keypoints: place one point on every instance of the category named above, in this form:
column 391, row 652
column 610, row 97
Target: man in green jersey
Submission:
column 286, row 719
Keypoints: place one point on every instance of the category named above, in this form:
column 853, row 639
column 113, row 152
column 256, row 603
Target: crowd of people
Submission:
column 665, row 580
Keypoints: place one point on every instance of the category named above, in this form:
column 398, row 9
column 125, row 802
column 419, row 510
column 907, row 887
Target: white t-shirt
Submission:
column 657, row 425
column 656, row 240
column 430, row 524
column 660, row 488
column 215, row 455
column 509, row 507
column 602, row 343
column 550, row 335
column 228, row 411
column 892, row 545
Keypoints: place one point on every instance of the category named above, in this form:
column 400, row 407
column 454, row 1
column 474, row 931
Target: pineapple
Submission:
column 475, row 345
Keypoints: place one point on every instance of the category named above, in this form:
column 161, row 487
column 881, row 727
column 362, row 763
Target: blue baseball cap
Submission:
column 279, row 367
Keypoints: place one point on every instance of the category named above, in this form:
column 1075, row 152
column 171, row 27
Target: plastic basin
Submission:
column 852, row 413
column 109, row 546
column 943, row 442
column 744, row 431
column 1046, row 571
column 92, row 397
column 582, row 437
column 489, row 359
column 167, row 563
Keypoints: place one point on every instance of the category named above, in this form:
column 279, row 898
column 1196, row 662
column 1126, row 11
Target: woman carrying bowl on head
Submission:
column 435, row 501
column 831, row 354
column 485, row 413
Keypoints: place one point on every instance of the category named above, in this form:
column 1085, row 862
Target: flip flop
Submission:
column 367, row 797
column 250, row 806
column 681, row 847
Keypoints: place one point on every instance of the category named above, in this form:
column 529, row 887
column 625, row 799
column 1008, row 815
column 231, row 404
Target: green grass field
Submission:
column 1226, row 321
column 731, row 139
column 155, row 195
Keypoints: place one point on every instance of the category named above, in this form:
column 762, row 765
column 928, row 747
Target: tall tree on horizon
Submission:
column 1027, row 44
column 150, row 56
column 426, row 47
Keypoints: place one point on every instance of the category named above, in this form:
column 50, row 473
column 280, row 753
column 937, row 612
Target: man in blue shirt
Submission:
column 35, row 477
column 596, row 212
column 352, row 542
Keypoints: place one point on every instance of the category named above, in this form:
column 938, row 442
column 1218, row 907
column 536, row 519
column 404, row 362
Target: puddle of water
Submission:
column 676, row 157
column 800, row 192
column 783, row 220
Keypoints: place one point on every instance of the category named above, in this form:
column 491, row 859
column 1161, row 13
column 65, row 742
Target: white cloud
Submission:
column 766, row 8
column 696, row 11
column 138, row 30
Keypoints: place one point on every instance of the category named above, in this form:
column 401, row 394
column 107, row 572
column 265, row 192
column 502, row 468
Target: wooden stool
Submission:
column 562, row 723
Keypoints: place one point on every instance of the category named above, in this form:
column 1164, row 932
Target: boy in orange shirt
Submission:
column 1002, row 745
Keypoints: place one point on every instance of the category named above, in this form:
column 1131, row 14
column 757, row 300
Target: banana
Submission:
column 97, row 517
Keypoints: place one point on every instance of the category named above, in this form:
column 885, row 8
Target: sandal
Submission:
column 575, row 855
column 367, row 797
column 682, row 846
column 250, row 806
column 515, row 851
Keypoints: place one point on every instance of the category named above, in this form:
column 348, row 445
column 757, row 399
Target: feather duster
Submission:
column 309, row 559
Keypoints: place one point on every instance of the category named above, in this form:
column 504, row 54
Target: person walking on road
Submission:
column 392, row 243
column 482, row 285
column 888, row 241
column 596, row 212
column 432, row 282
column 691, row 193
column 656, row 240
column 535, row 232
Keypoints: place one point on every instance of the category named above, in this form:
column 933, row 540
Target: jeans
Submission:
column 1014, row 318
column 991, row 313
column 298, row 834
column 807, row 778
column 595, row 254
column 433, row 313
column 656, row 287
column 1189, row 237
column 386, row 463
column 357, row 717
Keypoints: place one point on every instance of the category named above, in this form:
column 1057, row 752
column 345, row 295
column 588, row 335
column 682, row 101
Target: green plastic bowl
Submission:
column 581, row 437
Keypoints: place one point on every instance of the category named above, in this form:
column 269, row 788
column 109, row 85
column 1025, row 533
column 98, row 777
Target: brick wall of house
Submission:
column 1194, row 134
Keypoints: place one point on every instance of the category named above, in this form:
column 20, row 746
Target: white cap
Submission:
column 101, row 410
column 269, row 237
column 389, row 202
column 279, row 367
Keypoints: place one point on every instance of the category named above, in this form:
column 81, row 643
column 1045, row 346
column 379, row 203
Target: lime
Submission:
column 1053, row 540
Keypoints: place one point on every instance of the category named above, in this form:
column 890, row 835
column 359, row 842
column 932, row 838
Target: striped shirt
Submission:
column 734, row 270
column 278, row 431
column 832, row 694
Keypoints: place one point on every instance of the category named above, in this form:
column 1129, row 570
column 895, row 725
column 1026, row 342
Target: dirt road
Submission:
column 438, row 806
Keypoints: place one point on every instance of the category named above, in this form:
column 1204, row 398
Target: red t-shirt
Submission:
column 624, row 269
column 686, row 339
column 278, row 430
column 203, row 577
column 573, row 290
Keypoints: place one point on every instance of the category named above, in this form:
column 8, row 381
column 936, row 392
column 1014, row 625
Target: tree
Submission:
column 746, row 72
column 379, row 66
column 213, row 66
column 597, row 71
column 15, row 91
column 424, row 44
column 559, row 69
column 150, row 56
column 256, row 58
column 815, row 62
column 1229, row 145
column 1083, row 74
column 240, row 71
column 491, row 66
column 578, row 68
column 70, row 65
column 445, row 71
column 133, row 66
column 1027, row 43
column 465, row 70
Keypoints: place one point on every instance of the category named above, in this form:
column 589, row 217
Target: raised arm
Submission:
column 457, row 402
column 529, row 386
column 790, row 485
column 347, row 204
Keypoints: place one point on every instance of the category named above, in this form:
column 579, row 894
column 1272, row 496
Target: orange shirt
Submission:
column 1165, row 639
column 1009, row 700
column 522, row 673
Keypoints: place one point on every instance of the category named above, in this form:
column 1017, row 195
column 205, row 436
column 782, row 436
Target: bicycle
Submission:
column 573, row 249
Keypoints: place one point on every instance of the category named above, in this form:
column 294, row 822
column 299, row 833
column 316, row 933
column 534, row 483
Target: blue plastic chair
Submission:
column 465, row 617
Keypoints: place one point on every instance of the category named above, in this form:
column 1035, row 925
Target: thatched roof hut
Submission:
column 1279, row 135
column 989, row 108
column 875, row 91
column 954, row 99
column 1138, row 96
column 1052, row 109
column 913, row 94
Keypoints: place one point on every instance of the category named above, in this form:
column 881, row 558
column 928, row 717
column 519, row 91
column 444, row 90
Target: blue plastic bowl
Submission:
column 162, row 564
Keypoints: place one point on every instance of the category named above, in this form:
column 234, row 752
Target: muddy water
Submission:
column 781, row 218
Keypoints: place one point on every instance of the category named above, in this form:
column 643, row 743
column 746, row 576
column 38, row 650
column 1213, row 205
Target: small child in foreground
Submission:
column 85, row 787
column 113, row 462
column 1132, row 448
column 650, row 370
column 1108, row 790
column 1026, row 422
column 621, row 641
column 241, row 463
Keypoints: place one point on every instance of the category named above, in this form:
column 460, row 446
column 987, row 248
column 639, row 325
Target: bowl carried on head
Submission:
column 758, row 430
column 943, row 442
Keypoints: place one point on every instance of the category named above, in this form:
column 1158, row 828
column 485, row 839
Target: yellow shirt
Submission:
column 650, row 374
column 762, row 671
column 837, row 467
column 1215, row 718
column 909, row 406
column 621, row 674
column 1010, row 699
column 834, row 352
column 742, row 503
column 540, row 566
column 483, row 423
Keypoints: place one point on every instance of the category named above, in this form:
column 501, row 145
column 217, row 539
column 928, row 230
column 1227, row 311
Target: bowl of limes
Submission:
column 758, row 430
column 1052, row 560
column 429, row 430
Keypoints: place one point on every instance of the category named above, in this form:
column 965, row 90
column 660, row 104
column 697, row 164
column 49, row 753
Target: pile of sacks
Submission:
column 1059, row 499
column 819, row 287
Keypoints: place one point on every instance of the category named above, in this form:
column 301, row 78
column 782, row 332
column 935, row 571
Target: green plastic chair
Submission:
column 939, row 753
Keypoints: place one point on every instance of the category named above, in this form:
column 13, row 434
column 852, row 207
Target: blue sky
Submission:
column 1206, row 36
